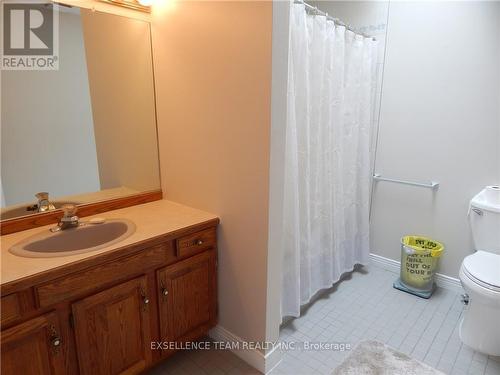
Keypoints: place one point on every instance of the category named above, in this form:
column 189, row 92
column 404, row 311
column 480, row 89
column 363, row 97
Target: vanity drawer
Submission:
column 77, row 284
column 196, row 242
column 11, row 308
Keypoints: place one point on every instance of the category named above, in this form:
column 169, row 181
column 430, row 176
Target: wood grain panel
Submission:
column 10, row 308
column 196, row 242
column 112, row 330
column 52, row 217
column 28, row 348
column 16, row 306
column 187, row 295
column 71, row 286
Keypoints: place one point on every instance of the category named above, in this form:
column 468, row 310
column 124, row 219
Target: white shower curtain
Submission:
column 331, row 85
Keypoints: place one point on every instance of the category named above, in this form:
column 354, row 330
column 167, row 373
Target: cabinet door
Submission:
column 33, row 347
column 187, row 295
column 112, row 330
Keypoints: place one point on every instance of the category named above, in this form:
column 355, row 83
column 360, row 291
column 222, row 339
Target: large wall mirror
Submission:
column 86, row 132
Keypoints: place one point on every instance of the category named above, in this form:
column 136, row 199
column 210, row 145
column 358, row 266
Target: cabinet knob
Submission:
column 55, row 341
column 199, row 242
column 145, row 298
column 164, row 291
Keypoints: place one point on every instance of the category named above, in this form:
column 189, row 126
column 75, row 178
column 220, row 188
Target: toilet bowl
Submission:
column 480, row 326
column 480, row 275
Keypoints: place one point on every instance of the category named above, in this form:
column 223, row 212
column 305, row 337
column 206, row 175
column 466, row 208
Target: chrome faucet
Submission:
column 43, row 204
column 69, row 219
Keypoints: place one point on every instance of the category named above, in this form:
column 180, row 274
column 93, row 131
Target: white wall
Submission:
column 498, row 74
column 439, row 121
column 281, row 27
column 48, row 139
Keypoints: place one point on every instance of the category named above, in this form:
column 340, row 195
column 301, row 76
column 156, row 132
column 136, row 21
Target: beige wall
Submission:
column 213, row 76
column 122, row 93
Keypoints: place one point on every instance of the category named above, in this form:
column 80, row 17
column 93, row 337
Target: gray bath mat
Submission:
column 374, row 358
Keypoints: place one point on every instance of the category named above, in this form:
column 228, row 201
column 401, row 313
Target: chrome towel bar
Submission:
column 432, row 185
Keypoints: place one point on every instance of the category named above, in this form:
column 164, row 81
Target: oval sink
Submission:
column 85, row 238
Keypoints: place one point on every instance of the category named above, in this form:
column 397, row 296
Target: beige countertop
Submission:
column 151, row 220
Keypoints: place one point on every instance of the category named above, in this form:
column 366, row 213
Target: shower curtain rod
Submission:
column 335, row 20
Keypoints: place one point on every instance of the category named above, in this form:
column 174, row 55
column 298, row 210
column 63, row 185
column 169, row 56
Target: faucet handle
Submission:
column 69, row 210
column 43, row 195
column 43, row 204
column 69, row 219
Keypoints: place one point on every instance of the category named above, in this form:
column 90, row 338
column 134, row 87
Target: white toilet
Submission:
column 480, row 275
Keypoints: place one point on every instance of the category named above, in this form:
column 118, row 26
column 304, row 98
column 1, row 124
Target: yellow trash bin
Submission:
column 419, row 259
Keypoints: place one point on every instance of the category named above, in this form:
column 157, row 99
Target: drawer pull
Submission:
column 164, row 290
column 196, row 242
column 55, row 341
column 145, row 298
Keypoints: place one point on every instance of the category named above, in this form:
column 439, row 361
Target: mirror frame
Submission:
column 131, row 4
column 87, row 209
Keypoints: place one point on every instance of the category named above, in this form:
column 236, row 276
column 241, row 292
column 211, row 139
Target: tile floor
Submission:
column 365, row 306
column 203, row 362
column 362, row 306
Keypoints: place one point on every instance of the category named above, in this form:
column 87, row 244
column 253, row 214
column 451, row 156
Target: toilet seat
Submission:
column 483, row 268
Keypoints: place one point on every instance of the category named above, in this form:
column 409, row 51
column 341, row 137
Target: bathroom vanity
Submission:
column 104, row 312
column 95, row 298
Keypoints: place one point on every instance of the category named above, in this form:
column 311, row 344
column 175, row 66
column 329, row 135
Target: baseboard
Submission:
column 255, row 358
column 442, row 281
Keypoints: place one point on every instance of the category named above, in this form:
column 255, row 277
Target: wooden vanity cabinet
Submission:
column 103, row 318
column 187, row 297
column 114, row 327
column 33, row 347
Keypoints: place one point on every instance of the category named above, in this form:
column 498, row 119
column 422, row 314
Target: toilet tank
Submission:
column 484, row 217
